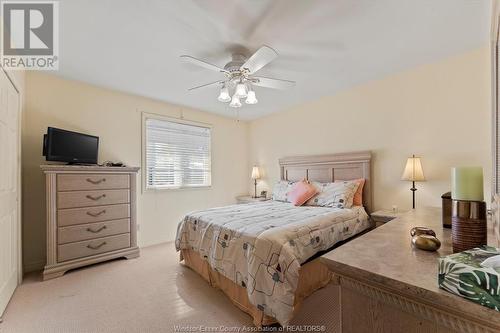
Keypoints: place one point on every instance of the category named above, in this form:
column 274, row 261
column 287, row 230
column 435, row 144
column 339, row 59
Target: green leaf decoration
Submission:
column 445, row 268
column 480, row 287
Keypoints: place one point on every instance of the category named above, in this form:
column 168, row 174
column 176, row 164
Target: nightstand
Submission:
column 248, row 198
column 385, row 215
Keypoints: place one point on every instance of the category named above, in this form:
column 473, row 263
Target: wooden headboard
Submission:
column 329, row 168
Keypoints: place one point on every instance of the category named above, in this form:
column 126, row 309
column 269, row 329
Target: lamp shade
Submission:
column 413, row 170
column 467, row 183
column 224, row 95
column 241, row 90
column 255, row 172
column 235, row 102
column 251, row 98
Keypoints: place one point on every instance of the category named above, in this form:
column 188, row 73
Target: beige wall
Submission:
column 116, row 118
column 439, row 111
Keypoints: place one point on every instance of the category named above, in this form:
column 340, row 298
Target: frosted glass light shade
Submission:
column 467, row 183
column 241, row 90
column 235, row 102
column 413, row 170
column 224, row 95
column 255, row 172
column 251, row 98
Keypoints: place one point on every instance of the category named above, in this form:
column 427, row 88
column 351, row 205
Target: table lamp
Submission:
column 255, row 176
column 413, row 172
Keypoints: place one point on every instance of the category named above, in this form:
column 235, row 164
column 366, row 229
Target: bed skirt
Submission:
column 313, row 276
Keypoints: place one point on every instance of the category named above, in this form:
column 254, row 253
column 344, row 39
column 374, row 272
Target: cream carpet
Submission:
column 153, row 293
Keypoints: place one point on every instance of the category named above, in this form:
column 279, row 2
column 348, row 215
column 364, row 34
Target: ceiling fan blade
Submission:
column 206, row 85
column 202, row 63
column 259, row 59
column 272, row 83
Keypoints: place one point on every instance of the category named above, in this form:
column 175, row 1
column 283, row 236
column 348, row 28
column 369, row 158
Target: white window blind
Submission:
column 177, row 154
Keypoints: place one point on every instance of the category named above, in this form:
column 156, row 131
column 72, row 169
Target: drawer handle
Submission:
column 96, row 247
column 96, row 230
column 96, row 182
column 96, row 214
column 96, row 198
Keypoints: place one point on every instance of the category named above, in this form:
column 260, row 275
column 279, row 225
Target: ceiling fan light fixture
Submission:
column 224, row 95
column 240, row 76
column 235, row 102
column 251, row 98
column 241, row 90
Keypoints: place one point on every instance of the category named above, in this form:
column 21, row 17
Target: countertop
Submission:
column 85, row 168
column 385, row 258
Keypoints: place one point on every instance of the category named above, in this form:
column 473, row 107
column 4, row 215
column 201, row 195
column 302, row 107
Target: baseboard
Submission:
column 33, row 266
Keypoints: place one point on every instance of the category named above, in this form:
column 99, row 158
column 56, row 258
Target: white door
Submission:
column 9, row 189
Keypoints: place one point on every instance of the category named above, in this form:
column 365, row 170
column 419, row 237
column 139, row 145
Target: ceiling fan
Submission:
column 240, row 77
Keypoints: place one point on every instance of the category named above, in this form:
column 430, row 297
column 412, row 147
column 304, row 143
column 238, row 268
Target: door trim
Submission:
column 19, row 174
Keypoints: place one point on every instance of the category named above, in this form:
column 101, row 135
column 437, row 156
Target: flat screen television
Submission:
column 72, row 147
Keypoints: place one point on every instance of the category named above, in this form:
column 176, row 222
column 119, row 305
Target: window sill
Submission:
column 186, row 188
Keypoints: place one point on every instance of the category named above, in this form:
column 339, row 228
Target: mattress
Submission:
column 261, row 246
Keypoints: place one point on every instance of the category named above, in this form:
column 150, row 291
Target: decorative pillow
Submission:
column 280, row 190
column 339, row 194
column 358, row 196
column 301, row 192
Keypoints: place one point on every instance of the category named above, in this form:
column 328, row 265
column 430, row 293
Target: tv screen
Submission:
column 72, row 147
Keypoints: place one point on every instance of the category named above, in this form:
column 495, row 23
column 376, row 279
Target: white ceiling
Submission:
column 324, row 45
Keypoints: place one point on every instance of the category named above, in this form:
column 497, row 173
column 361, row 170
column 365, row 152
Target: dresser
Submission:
column 91, row 216
column 388, row 286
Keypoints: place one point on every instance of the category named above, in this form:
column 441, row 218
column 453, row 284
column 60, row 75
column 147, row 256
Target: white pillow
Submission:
column 281, row 189
column 339, row 194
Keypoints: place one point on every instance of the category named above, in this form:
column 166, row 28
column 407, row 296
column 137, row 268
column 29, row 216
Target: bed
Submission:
column 264, row 255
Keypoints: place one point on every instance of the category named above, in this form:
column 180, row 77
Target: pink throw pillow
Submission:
column 301, row 192
column 358, row 196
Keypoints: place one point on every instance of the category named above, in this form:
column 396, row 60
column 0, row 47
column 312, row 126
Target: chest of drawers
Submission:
column 91, row 216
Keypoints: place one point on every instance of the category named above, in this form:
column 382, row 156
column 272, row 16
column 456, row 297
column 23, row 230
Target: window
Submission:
column 177, row 154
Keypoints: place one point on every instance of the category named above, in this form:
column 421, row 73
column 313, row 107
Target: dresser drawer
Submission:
column 77, row 182
column 91, row 247
column 92, row 230
column 74, row 216
column 76, row 199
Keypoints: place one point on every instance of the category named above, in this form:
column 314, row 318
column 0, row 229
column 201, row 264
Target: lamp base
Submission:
column 413, row 189
column 468, row 224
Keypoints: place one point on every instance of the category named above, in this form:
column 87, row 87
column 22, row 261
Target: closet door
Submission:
column 9, row 189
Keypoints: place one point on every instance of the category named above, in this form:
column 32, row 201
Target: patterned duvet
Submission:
column 261, row 246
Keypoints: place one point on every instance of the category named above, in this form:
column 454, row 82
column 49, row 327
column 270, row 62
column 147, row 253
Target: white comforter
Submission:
column 261, row 246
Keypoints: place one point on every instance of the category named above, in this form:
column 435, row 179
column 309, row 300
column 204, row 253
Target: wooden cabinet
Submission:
column 387, row 285
column 91, row 216
column 248, row 199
